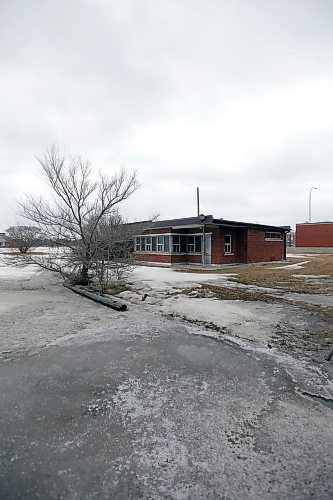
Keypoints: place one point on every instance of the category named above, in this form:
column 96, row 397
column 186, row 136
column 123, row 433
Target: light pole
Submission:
column 310, row 202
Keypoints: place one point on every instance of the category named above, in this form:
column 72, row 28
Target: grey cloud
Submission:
column 91, row 75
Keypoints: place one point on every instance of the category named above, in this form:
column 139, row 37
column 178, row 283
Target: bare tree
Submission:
column 113, row 245
column 75, row 215
column 23, row 237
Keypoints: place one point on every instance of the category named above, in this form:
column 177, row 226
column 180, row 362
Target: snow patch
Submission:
column 299, row 265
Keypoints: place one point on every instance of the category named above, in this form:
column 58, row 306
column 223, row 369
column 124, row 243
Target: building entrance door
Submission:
column 208, row 249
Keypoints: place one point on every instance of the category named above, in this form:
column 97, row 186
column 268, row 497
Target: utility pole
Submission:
column 310, row 202
column 203, row 229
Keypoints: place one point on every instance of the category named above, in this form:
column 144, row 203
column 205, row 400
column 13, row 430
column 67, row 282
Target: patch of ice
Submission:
column 248, row 320
column 299, row 265
column 17, row 273
column 310, row 298
column 300, row 255
column 159, row 276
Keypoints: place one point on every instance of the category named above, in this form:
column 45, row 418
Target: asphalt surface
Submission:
column 161, row 415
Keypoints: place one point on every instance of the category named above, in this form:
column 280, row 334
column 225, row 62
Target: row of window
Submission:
column 152, row 243
column 186, row 243
column 178, row 244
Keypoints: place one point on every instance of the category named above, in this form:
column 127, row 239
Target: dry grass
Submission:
column 316, row 338
column 290, row 280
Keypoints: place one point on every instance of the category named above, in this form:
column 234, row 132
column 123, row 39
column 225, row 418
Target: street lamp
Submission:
column 310, row 202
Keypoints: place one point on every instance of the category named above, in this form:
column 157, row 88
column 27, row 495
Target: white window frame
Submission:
column 228, row 245
column 190, row 247
column 160, row 244
column 148, row 244
column 175, row 246
column 270, row 238
column 147, row 241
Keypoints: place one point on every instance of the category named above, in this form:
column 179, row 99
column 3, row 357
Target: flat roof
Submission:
column 210, row 220
column 313, row 223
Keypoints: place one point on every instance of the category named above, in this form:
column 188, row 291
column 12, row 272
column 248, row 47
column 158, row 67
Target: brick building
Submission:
column 212, row 241
column 315, row 236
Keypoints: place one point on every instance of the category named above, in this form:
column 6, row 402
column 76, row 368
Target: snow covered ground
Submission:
column 160, row 277
column 37, row 311
column 171, row 409
column 299, row 265
column 255, row 322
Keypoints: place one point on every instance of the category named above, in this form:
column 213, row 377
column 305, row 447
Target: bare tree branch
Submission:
column 78, row 210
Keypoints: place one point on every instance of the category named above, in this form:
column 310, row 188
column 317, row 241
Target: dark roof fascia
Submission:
column 139, row 223
column 250, row 225
column 208, row 220
column 185, row 222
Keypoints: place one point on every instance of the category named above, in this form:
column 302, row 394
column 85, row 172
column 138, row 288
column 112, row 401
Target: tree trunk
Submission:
column 83, row 279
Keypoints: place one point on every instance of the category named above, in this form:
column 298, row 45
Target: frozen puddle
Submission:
column 320, row 300
column 248, row 320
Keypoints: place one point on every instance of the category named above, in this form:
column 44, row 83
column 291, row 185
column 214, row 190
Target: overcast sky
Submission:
column 234, row 96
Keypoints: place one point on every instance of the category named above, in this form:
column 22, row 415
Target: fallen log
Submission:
column 114, row 304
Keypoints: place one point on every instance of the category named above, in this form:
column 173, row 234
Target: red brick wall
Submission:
column 215, row 244
column 195, row 258
column 238, row 246
column 242, row 245
column 178, row 258
column 314, row 235
column 260, row 250
column 153, row 257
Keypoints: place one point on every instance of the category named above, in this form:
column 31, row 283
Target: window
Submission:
column 176, row 244
column 160, row 243
column 148, row 243
column 183, row 242
column 166, row 244
column 198, row 244
column 273, row 235
column 227, row 244
column 152, row 243
column 190, row 244
column 186, row 243
column 194, row 244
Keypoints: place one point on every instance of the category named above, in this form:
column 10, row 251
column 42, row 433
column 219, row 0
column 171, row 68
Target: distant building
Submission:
column 315, row 236
column 291, row 238
column 3, row 240
column 209, row 240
